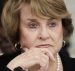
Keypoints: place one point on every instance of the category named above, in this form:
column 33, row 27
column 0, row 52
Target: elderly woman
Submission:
column 37, row 29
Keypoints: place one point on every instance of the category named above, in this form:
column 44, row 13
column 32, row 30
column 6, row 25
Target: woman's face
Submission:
column 36, row 32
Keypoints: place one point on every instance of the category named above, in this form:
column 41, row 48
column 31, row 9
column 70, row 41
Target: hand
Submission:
column 32, row 57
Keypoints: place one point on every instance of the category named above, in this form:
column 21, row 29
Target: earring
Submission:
column 17, row 46
column 64, row 42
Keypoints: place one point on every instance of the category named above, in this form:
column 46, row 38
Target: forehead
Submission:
column 26, row 12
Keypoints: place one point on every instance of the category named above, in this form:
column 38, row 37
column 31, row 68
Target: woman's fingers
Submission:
column 42, row 55
column 44, row 63
column 47, row 52
column 37, row 56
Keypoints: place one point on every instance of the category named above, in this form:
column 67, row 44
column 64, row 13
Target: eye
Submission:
column 52, row 24
column 32, row 25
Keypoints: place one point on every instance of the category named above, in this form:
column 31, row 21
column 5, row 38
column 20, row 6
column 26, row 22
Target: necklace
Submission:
column 58, row 62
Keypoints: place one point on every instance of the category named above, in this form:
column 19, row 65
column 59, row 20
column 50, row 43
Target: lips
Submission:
column 43, row 46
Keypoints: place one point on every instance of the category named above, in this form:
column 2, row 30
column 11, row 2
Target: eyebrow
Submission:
column 33, row 20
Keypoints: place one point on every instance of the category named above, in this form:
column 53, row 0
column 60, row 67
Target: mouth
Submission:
column 44, row 46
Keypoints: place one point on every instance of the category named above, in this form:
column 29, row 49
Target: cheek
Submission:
column 24, row 41
column 58, row 40
column 27, row 38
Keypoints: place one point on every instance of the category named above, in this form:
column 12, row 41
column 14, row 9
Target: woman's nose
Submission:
column 44, row 34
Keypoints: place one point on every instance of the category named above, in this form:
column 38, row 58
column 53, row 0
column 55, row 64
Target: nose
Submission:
column 44, row 34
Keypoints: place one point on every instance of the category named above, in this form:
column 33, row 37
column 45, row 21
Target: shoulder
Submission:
column 68, row 62
column 5, row 59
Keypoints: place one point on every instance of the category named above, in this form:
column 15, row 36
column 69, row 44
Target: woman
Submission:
column 38, row 28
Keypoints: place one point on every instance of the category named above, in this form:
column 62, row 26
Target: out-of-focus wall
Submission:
column 71, row 8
